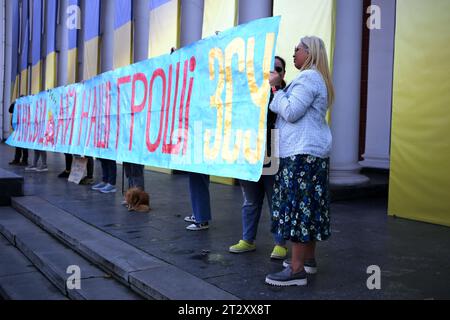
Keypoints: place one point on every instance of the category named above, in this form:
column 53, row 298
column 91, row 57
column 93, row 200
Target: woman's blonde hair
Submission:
column 317, row 58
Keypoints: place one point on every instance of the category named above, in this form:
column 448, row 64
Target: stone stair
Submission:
column 52, row 239
column 53, row 259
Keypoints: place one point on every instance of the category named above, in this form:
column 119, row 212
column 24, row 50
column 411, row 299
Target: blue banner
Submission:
column 201, row 109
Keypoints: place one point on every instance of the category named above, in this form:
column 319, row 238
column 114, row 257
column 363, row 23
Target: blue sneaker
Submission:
column 108, row 188
column 99, row 186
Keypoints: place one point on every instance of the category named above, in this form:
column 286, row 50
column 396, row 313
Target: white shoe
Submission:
column 198, row 226
column 190, row 219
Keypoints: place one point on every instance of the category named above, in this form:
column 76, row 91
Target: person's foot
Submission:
column 124, row 203
column 109, row 188
column 99, row 186
column 242, row 246
column 31, row 168
column 287, row 278
column 64, row 174
column 42, row 168
column 23, row 163
column 190, row 219
column 310, row 265
column 198, row 226
column 87, row 180
column 14, row 163
column 278, row 252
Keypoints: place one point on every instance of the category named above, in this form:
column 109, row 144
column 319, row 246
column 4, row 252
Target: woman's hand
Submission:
column 274, row 79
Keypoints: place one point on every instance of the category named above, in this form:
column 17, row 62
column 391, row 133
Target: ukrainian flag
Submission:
column 219, row 15
column 122, row 33
column 36, row 84
column 24, row 44
column 303, row 18
column 72, row 51
column 15, row 54
column 50, row 44
column 164, row 26
column 91, row 39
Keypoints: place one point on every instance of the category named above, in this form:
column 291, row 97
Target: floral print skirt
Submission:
column 300, row 201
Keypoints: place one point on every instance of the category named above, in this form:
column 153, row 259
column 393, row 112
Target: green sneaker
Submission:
column 279, row 252
column 242, row 246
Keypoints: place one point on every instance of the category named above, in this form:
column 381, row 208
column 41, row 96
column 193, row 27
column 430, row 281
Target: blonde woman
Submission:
column 300, row 202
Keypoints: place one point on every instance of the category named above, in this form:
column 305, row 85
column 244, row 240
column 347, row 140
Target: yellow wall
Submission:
column 419, row 186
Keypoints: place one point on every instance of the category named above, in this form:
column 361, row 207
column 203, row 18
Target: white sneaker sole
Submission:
column 195, row 228
column 296, row 282
column 109, row 191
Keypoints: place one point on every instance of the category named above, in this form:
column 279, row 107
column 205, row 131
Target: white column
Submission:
column 62, row 44
column 107, row 35
column 141, row 17
column 347, row 78
column 191, row 21
column 379, row 88
column 7, row 69
column 254, row 9
column 4, row 77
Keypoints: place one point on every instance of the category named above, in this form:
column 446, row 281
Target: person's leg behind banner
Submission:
column 200, row 200
column 111, row 176
column 66, row 172
column 89, row 178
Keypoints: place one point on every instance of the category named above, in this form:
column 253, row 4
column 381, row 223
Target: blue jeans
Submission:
column 109, row 171
column 199, row 189
column 253, row 193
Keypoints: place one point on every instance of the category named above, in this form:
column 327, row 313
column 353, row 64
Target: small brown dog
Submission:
column 137, row 200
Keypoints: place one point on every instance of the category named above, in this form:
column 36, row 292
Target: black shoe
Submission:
column 14, row 163
column 64, row 174
column 287, row 278
column 23, row 163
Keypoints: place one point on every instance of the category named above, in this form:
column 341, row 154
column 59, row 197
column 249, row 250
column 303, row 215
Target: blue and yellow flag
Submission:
column 15, row 54
column 50, row 44
column 72, row 50
column 91, row 39
column 164, row 26
column 36, row 84
column 24, row 44
column 122, row 33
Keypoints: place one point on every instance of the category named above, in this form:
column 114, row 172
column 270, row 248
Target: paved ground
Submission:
column 414, row 257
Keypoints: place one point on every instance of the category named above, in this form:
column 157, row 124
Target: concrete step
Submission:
column 53, row 259
column 20, row 280
column 11, row 185
column 147, row 275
